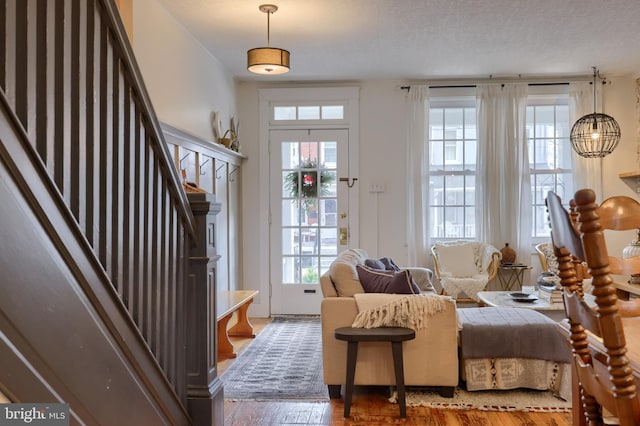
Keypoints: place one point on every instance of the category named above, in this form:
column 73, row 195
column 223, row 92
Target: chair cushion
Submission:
column 377, row 281
column 457, row 259
column 550, row 256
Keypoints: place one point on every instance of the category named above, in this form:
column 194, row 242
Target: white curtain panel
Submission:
column 587, row 171
column 503, row 184
column 418, row 217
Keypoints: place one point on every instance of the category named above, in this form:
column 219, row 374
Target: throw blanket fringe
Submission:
column 412, row 311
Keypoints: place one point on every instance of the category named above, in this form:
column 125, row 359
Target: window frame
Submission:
column 548, row 96
column 307, row 121
column 444, row 102
column 543, row 95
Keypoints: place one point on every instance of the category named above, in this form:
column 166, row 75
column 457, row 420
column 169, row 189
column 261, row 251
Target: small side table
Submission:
column 394, row 335
column 511, row 276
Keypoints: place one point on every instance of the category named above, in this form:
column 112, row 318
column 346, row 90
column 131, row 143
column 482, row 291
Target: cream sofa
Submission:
column 429, row 360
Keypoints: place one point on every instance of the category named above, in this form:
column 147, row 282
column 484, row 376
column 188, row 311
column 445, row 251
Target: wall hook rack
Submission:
column 235, row 169
column 184, row 158
column 346, row 179
column 217, row 170
column 206, row 161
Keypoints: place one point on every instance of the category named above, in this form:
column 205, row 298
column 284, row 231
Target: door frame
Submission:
column 348, row 96
column 303, row 298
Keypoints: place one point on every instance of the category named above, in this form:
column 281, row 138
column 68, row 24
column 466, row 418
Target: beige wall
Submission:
column 185, row 82
column 619, row 102
column 125, row 7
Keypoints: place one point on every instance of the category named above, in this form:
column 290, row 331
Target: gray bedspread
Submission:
column 510, row 333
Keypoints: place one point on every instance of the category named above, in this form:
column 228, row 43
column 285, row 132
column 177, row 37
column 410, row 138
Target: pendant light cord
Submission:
column 594, row 89
column 269, row 32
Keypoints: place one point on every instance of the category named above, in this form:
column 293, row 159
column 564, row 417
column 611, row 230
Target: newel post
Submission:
column 205, row 398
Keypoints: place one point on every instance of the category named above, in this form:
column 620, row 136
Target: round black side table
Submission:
column 394, row 335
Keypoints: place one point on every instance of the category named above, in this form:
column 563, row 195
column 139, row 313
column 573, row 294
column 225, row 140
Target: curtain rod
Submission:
column 450, row 83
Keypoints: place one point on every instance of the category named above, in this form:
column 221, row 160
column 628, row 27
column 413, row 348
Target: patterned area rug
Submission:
column 497, row 400
column 284, row 362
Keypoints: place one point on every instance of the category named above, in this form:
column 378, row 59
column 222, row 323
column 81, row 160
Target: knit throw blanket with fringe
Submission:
column 411, row 311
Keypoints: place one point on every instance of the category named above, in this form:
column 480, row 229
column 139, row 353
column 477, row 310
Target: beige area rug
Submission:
column 493, row 400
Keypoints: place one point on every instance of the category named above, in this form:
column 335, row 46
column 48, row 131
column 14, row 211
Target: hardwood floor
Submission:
column 369, row 407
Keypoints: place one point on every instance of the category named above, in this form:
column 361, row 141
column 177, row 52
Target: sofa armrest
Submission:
column 335, row 312
column 326, row 285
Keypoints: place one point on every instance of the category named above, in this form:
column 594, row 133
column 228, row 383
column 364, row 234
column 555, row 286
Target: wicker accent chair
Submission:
column 464, row 267
column 604, row 380
column 547, row 258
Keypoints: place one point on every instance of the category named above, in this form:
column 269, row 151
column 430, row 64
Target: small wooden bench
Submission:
column 227, row 303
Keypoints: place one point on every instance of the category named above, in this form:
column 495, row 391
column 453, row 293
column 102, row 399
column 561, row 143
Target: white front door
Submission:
column 310, row 214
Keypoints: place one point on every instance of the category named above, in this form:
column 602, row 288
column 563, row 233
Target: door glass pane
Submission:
column 308, row 153
column 333, row 112
column 328, row 241
column 309, row 270
column 284, row 113
column 289, row 241
column 289, row 183
column 328, row 181
column 290, row 269
column 290, row 157
column 328, row 152
column 309, row 113
column 309, row 209
column 328, row 213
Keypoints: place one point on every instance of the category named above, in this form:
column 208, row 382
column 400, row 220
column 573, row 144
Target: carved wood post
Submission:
column 205, row 398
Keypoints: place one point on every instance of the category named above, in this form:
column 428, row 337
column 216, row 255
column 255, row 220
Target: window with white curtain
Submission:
column 550, row 163
column 452, row 161
column 452, row 167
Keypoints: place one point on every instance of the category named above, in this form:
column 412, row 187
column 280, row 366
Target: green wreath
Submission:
column 303, row 182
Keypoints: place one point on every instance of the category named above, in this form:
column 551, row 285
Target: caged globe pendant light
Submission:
column 595, row 135
column 268, row 60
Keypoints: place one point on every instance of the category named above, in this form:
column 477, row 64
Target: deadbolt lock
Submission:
column 344, row 236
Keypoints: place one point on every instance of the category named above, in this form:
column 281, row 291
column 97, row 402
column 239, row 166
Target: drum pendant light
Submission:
column 268, row 60
column 595, row 135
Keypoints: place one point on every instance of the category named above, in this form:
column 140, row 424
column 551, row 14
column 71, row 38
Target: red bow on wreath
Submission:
column 307, row 180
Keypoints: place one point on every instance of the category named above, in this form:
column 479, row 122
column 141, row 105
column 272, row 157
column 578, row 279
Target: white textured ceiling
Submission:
column 336, row 40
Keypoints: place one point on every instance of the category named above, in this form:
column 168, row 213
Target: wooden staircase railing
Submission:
column 70, row 80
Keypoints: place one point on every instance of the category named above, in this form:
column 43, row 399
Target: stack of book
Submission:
column 550, row 294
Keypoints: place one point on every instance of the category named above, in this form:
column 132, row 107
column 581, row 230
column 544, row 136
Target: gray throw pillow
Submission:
column 389, row 264
column 375, row 264
column 376, row 281
column 383, row 264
